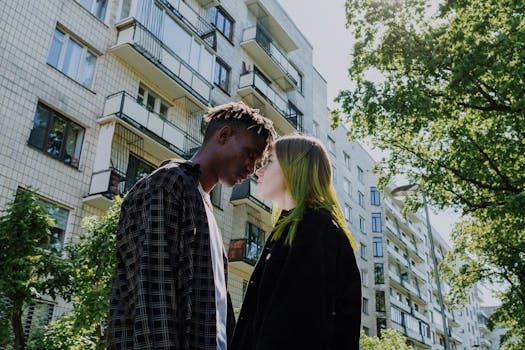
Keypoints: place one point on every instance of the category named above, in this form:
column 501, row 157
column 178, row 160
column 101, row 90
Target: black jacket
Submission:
column 307, row 296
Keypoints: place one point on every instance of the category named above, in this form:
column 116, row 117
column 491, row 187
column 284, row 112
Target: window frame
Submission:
column 377, row 244
column 92, row 9
column 377, row 226
column 361, row 199
column 214, row 18
column 62, row 151
column 379, row 273
column 223, row 68
column 375, row 196
column 63, row 66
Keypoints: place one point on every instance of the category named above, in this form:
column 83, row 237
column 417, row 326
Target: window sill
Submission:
column 52, row 157
column 220, row 88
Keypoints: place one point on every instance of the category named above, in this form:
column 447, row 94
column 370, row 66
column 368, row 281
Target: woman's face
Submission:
column 271, row 183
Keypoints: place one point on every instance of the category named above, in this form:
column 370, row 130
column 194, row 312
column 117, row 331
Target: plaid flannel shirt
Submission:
column 163, row 292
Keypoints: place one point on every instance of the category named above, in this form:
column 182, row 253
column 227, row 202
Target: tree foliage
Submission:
column 443, row 91
column 30, row 266
column 390, row 340
column 93, row 263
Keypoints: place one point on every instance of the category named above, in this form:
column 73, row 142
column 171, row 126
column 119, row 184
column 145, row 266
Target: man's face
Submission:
column 240, row 153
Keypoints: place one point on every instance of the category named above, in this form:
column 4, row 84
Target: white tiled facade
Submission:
column 153, row 76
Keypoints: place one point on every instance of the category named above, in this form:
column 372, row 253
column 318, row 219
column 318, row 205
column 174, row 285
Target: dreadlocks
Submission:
column 236, row 114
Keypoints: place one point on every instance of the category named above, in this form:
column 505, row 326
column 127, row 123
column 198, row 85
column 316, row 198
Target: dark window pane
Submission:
column 40, row 123
column 56, row 136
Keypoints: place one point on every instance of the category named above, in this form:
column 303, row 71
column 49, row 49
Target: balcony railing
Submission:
column 126, row 107
column 247, row 192
column 241, row 250
column 156, row 59
column 267, row 54
column 283, row 121
column 193, row 20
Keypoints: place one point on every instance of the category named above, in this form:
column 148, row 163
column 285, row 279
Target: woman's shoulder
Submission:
column 319, row 216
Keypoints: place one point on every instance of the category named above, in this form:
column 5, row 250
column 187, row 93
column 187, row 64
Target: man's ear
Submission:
column 224, row 134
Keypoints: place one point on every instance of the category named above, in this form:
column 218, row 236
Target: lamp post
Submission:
column 406, row 190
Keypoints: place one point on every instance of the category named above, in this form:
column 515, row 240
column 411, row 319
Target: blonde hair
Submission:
column 307, row 173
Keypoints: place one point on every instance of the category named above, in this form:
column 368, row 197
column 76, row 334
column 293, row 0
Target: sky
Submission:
column 323, row 24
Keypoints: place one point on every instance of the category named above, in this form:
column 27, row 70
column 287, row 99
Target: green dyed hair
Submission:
column 307, row 174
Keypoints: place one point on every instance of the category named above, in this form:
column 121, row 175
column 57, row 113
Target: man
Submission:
column 169, row 289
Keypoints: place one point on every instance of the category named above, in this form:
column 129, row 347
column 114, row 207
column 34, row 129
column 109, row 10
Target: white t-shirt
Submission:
column 217, row 253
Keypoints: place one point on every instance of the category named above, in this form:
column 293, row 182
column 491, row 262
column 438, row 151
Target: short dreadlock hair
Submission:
column 238, row 114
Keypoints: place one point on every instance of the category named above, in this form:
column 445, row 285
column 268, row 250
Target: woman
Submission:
column 305, row 291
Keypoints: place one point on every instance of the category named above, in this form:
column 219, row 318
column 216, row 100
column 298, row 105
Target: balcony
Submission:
column 146, row 53
column 243, row 254
column 256, row 92
column 269, row 57
column 128, row 128
column 419, row 315
column 399, row 304
column 175, row 140
column 208, row 3
column 396, row 256
column 247, row 193
column 273, row 26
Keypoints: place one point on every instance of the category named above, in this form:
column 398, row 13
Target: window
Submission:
column 254, row 242
column 378, row 246
column 366, row 330
column 381, row 324
column 348, row 213
column 222, row 21
column 364, row 278
column 379, row 275
column 222, row 75
column 72, row 58
column 376, row 222
column 347, row 161
column 57, row 136
column 360, row 175
column 331, row 145
column 294, row 116
column 300, row 82
column 380, row 301
column 137, row 170
column 375, row 196
column 152, row 101
column 362, row 224
column 361, row 199
column 215, row 195
column 365, row 306
column 96, row 7
column 60, row 215
column 315, row 130
column 346, row 186
column 362, row 250
column 334, row 174
column 36, row 315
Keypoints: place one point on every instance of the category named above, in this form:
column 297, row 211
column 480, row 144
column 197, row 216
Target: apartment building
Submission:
column 95, row 94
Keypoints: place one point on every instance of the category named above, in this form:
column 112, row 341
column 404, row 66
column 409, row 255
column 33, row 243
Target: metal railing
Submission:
column 153, row 48
column 256, row 81
column 272, row 50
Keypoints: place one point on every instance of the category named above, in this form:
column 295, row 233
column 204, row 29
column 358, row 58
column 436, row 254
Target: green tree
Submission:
column 390, row 340
column 30, row 266
column 93, row 263
column 447, row 103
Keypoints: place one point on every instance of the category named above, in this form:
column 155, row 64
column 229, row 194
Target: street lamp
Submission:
column 407, row 190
